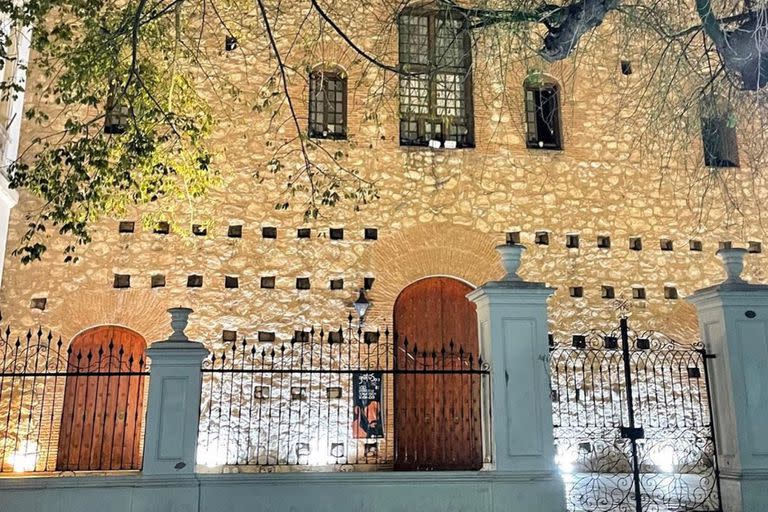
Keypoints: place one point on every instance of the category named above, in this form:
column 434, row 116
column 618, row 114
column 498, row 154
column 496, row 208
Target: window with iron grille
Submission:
column 542, row 116
column 436, row 92
column 718, row 137
column 327, row 105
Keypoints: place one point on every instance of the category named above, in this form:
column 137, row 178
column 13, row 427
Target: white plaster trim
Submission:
column 135, row 479
column 744, row 474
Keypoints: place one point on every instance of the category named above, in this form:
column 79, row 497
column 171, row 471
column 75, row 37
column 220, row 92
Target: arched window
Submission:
column 436, row 92
column 542, row 114
column 718, row 135
column 328, row 104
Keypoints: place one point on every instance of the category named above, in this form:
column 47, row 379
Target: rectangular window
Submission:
column 436, row 92
column 542, row 115
column 327, row 105
column 718, row 137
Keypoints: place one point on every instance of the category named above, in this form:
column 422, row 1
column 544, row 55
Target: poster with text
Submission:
column 367, row 422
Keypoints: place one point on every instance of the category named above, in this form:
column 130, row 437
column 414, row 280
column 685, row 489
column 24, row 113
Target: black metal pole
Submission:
column 705, row 362
column 633, row 434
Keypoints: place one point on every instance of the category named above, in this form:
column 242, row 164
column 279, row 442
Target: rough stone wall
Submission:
column 440, row 212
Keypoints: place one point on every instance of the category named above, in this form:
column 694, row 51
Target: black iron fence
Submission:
column 633, row 423
column 344, row 398
column 65, row 409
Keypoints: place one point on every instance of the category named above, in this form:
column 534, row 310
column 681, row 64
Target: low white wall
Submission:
column 287, row 492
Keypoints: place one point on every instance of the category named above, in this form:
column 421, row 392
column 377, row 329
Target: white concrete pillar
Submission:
column 733, row 321
column 8, row 199
column 11, row 130
column 173, row 406
column 512, row 321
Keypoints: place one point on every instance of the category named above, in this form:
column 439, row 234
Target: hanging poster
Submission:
column 367, row 422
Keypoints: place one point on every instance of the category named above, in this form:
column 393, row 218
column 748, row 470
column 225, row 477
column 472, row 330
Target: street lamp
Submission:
column 361, row 305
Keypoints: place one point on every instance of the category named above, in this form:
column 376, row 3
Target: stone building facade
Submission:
column 440, row 212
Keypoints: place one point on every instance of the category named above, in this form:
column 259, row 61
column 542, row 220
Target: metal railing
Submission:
column 343, row 398
column 65, row 410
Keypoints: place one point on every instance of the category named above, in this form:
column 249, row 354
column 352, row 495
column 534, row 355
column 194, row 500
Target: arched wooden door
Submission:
column 437, row 415
column 103, row 401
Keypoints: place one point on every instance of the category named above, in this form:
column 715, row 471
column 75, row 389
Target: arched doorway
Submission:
column 103, row 401
column 437, row 414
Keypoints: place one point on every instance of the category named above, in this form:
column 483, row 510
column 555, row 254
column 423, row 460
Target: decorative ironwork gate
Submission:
column 633, row 423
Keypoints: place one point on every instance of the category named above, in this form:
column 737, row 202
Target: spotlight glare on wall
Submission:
column 565, row 458
column 25, row 458
column 210, row 455
column 664, row 459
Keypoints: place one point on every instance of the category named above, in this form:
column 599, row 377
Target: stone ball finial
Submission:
column 511, row 255
column 179, row 321
column 733, row 261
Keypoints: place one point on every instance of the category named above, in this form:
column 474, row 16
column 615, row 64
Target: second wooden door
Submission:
column 437, row 397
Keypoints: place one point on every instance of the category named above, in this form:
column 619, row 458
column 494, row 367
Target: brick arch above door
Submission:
column 138, row 310
column 401, row 258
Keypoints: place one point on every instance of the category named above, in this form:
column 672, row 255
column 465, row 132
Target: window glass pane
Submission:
column 414, row 95
column 326, row 105
column 414, row 39
column 547, row 118
column 449, row 90
column 719, row 141
column 449, row 43
column 542, row 117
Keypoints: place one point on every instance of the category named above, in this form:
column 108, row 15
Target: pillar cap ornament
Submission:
column 734, row 289
column 511, row 256
column 179, row 322
column 511, row 288
column 733, row 261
